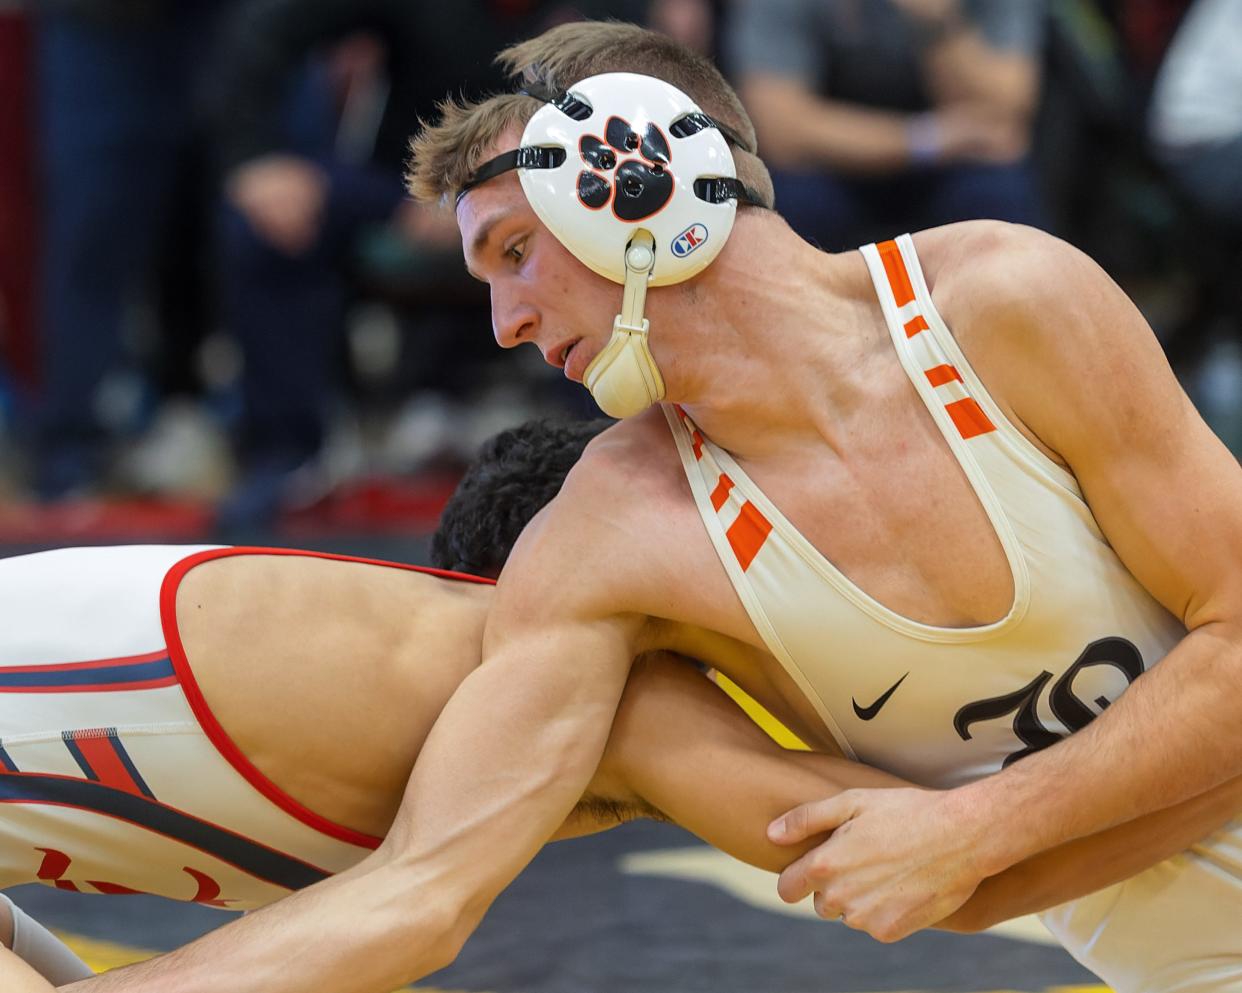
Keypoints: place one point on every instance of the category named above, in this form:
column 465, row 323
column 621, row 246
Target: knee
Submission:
column 6, row 921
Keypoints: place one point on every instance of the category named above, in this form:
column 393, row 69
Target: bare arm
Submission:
column 962, row 66
column 1168, row 496
column 982, row 96
column 507, row 760
column 799, row 129
column 680, row 747
column 1075, row 363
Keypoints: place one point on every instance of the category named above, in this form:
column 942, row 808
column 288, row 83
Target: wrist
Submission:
column 998, row 838
column 924, row 139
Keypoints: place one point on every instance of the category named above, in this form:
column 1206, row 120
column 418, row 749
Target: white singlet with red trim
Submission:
column 115, row 777
column 944, row 706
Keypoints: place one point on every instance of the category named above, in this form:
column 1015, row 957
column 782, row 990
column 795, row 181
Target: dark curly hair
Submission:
column 512, row 478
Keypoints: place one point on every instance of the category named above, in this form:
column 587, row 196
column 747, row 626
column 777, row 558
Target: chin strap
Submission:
column 624, row 378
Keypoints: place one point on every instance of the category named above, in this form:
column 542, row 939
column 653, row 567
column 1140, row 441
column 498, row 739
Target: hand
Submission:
column 282, row 198
column 898, row 860
column 968, row 133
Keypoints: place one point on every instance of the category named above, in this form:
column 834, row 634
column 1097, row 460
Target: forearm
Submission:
column 1089, row 864
column 499, row 771
column 679, row 745
column 17, row 977
column 367, row 930
column 1174, row 734
column 799, row 130
column 963, row 68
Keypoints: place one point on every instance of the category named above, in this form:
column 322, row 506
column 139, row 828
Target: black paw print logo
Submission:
column 637, row 187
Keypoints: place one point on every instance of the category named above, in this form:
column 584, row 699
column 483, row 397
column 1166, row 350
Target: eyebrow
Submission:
column 484, row 234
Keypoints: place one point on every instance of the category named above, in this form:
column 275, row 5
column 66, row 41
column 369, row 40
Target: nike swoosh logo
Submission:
column 868, row 713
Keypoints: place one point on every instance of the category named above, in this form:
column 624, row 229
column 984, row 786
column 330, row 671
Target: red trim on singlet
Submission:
column 92, row 664
column 198, row 703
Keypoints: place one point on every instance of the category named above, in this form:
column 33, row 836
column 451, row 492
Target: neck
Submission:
column 773, row 330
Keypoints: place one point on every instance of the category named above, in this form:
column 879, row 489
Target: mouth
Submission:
column 559, row 356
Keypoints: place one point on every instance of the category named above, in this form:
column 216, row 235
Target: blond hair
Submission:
column 443, row 156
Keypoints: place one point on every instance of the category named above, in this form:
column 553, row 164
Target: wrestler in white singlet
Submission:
column 943, row 706
column 115, row 776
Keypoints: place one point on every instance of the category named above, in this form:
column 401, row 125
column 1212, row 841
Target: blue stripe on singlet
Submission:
column 78, row 757
column 126, row 761
column 114, row 675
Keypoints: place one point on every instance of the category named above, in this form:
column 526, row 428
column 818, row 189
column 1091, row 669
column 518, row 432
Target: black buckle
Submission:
column 693, row 123
column 718, row 189
column 523, row 157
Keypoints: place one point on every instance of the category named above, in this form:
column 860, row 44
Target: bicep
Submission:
column 1095, row 387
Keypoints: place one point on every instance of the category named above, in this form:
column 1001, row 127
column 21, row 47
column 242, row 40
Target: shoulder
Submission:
column 1012, row 287
column 1049, row 332
column 598, row 541
column 987, row 257
column 636, row 458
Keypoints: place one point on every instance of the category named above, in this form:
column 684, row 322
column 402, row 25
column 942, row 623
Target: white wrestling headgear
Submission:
column 639, row 184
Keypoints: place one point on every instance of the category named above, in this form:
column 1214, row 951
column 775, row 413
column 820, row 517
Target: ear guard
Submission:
column 639, row 184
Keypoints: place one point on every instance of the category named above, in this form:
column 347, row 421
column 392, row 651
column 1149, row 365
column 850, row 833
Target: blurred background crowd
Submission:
column 219, row 314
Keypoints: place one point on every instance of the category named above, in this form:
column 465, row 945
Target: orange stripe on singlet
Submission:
column 895, row 267
column 721, row 493
column 696, row 439
column 747, row 534
column 915, row 325
column 941, row 374
column 969, row 418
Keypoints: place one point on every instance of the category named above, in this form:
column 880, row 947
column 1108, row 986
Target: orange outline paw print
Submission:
column 638, row 187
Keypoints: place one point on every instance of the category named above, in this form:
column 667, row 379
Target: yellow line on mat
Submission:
column 104, row 955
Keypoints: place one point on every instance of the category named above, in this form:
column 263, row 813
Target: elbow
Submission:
column 426, row 921
column 452, row 940
column 434, row 936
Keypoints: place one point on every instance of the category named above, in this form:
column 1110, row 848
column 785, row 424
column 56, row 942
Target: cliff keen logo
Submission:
column 689, row 240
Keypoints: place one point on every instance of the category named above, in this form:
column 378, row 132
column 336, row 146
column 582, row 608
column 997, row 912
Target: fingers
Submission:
column 863, row 915
column 797, row 881
column 812, row 818
column 828, row 909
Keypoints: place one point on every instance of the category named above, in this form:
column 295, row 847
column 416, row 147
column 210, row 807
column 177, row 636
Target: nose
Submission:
column 513, row 321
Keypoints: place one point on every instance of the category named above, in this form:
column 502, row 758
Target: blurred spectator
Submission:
column 884, row 114
column 1196, row 109
column 17, row 185
column 301, row 199
column 116, row 109
column 691, row 22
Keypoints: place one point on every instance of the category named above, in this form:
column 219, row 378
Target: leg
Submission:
column 112, row 122
column 35, row 945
